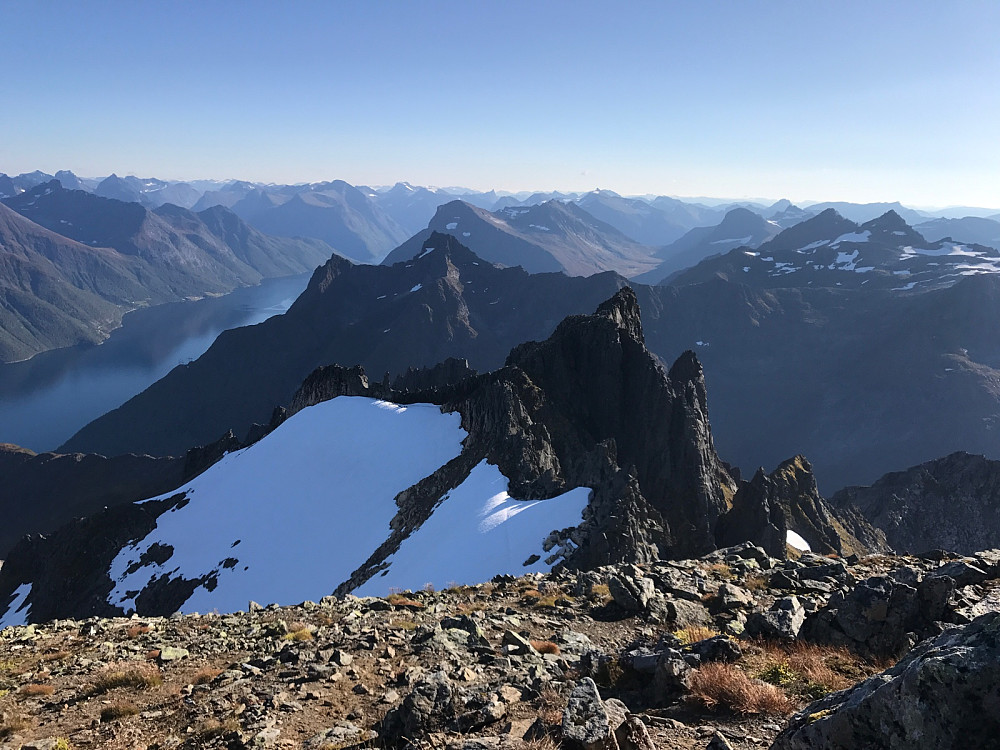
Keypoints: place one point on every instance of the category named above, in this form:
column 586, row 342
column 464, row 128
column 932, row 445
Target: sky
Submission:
column 859, row 101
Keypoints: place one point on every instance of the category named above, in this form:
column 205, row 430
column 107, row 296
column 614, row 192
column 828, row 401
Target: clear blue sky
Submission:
column 809, row 100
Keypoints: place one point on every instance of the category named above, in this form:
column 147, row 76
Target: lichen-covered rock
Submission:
column 943, row 694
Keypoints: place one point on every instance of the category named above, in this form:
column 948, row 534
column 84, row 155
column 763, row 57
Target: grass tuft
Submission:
column 118, row 710
column 36, row 690
column 719, row 686
column 694, row 634
column 135, row 676
column 545, row 647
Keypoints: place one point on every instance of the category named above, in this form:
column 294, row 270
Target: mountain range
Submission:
column 77, row 262
column 740, row 227
column 834, row 372
column 828, row 250
column 551, row 236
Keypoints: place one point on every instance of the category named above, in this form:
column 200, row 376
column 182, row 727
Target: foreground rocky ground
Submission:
column 717, row 652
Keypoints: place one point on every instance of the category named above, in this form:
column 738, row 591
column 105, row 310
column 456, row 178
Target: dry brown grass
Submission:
column 756, row 582
column 214, row 728
column 721, row 570
column 137, row 676
column 56, row 656
column 300, row 634
column 118, row 710
column 550, row 705
column 807, row 670
column 719, row 686
column 695, row 633
column 545, row 647
column 36, row 690
column 400, row 600
column 205, row 675
column 136, row 630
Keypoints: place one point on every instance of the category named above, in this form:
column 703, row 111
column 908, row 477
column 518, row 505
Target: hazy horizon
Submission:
column 826, row 102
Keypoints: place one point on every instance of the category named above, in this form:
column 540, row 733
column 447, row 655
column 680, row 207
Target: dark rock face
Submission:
column 40, row 492
column 768, row 506
column 446, row 303
column 951, row 503
column 943, row 694
column 597, row 373
column 883, row 615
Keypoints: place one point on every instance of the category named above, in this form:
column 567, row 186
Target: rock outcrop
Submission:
column 770, row 505
column 943, row 694
column 950, row 503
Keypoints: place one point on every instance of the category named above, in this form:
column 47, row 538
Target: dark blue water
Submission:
column 46, row 399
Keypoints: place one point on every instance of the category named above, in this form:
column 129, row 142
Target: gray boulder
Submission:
column 782, row 622
column 943, row 694
column 586, row 723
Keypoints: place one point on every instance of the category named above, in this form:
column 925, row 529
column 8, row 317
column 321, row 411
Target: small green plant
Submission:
column 694, row 634
column 779, row 674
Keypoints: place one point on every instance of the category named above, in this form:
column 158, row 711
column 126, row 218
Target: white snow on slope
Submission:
column 912, row 252
column 796, row 541
column 14, row 614
column 477, row 532
column 308, row 503
column 417, row 288
column 853, row 237
column 733, row 240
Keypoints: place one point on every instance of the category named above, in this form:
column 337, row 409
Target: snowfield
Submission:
column 300, row 510
column 294, row 515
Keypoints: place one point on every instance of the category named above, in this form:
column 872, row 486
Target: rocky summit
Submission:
column 714, row 652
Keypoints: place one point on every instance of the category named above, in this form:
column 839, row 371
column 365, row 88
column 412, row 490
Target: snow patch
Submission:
column 797, row 541
column 734, row 240
column 13, row 615
column 417, row 288
column 451, row 225
column 309, row 503
column 466, row 234
column 701, row 343
column 853, row 237
column 476, row 532
column 426, row 250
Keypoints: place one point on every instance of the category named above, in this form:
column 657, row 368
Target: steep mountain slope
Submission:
column 552, row 236
column 949, row 503
column 830, row 251
column 335, row 212
column 446, row 303
column 860, row 381
column 55, row 292
column 185, row 253
column 636, row 219
column 739, row 228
